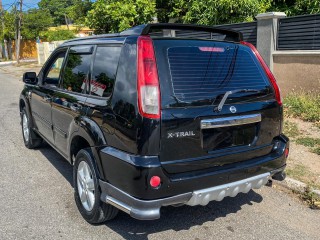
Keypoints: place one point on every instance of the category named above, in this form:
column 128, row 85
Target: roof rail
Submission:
column 145, row 29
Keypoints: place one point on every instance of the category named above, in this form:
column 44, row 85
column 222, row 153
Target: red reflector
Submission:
column 155, row 181
column 211, row 49
column 286, row 152
column 267, row 71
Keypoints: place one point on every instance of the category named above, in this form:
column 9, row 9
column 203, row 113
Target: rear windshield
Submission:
column 200, row 72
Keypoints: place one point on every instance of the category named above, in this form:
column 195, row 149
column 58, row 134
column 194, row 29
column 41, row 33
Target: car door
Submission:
column 68, row 104
column 41, row 96
column 102, row 80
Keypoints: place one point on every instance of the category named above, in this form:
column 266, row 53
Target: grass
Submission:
column 312, row 143
column 298, row 171
column 291, row 129
column 303, row 105
column 316, row 150
column 311, row 198
column 303, row 174
column 308, row 142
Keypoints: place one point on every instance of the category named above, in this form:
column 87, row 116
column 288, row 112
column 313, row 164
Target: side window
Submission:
column 76, row 72
column 104, row 70
column 52, row 73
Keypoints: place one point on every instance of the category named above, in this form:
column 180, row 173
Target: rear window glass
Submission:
column 104, row 70
column 205, row 71
column 77, row 70
column 198, row 72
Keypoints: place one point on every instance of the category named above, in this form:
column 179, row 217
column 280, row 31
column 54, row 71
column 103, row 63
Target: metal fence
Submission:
column 299, row 33
column 249, row 30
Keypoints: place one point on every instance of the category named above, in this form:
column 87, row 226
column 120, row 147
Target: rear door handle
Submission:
column 75, row 107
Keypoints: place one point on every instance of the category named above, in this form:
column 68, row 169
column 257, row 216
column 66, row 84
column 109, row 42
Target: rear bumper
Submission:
column 150, row 209
column 127, row 179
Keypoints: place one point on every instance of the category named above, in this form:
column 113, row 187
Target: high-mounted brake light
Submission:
column 148, row 81
column 211, row 49
column 267, row 71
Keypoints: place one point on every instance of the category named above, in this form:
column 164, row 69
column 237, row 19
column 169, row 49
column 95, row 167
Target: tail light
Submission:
column 267, row 71
column 148, row 81
column 286, row 152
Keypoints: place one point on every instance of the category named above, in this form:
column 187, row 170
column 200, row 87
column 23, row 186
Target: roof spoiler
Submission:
column 146, row 29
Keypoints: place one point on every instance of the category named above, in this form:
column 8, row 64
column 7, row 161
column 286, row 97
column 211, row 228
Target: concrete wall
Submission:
column 45, row 49
column 296, row 71
column 28, row 49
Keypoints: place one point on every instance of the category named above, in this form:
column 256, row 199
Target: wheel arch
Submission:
column 88, row 135
column 24, row 103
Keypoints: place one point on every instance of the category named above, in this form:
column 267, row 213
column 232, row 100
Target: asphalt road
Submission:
column 36, row 199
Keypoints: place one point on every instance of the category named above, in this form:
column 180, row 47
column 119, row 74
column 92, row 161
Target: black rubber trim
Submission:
column 136, row 160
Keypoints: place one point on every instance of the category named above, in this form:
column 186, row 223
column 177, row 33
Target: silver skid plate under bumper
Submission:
column 218, row 193
column 150, row 209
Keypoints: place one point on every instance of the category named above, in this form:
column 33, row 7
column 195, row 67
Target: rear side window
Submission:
column 104, row 70
column 77, row 69
column 200, row 71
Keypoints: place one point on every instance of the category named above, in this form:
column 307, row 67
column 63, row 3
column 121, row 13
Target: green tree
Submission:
column 296, row 7
column 79, row 10
column 57, row 35
column 164, row 8
column 57, row 9
column 35, row 21
column 9, row 30
column 115, row 16
column 213, row 12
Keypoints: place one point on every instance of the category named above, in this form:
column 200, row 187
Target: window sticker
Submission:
column 95, row 87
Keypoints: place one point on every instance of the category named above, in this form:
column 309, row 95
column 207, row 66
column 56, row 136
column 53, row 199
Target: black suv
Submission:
column 157, row 115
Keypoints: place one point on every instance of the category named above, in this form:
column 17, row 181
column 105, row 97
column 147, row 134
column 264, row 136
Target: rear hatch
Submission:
column 218, row 106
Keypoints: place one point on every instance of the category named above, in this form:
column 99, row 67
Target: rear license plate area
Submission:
column 225, row 137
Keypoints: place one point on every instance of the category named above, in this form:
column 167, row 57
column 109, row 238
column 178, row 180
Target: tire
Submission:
column 86, row 185
column 30, row 138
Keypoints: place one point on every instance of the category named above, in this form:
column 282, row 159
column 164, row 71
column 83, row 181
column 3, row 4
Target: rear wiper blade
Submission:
column 226, row 95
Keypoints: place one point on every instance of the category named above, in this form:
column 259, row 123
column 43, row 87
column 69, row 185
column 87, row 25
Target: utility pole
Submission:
column 66, row 20
column 18, row 39
column 2, row 21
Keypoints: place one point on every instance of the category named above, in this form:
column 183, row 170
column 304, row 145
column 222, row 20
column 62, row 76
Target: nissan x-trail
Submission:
column 157, row 115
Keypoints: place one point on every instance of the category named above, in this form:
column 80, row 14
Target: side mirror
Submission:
column 30, row 78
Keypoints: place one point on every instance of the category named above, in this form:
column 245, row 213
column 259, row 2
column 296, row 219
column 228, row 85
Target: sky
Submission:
column 26, row 3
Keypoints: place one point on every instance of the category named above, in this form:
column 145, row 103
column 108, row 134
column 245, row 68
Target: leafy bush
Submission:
column 58, row 35
column 303, row 105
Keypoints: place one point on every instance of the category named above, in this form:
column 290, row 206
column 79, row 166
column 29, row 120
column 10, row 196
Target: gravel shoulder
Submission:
column 302, row 163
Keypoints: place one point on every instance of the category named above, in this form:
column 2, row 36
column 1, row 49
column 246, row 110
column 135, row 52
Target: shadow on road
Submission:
column 62, row 165
column 172, row 218
column 181, row 218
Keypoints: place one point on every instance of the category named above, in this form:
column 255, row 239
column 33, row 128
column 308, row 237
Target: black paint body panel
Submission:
column 130, row 149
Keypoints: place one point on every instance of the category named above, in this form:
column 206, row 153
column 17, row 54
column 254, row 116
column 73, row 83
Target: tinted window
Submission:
column 53, row 71
column 77, row 70
column 104, row 70
column 201, row 71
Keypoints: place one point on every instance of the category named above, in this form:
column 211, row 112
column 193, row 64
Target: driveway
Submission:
column 36, row 198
